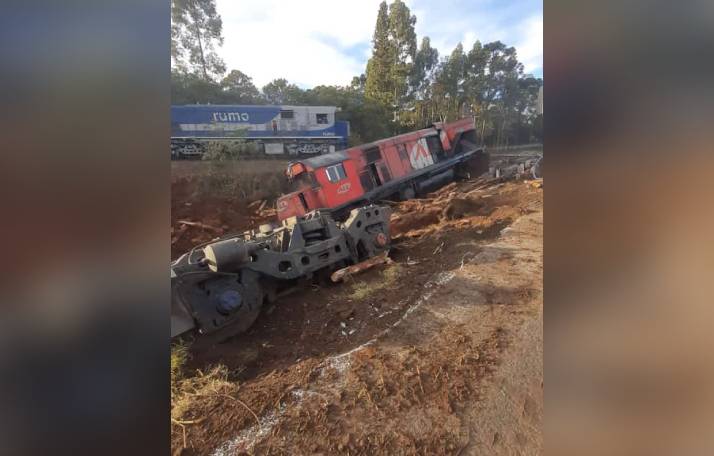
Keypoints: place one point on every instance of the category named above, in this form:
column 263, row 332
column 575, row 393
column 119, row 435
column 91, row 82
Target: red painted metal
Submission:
column 367, row 167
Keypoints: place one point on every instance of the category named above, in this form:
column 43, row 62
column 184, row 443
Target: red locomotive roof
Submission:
column 398, row 138
column 337, row 157
column 326, row 160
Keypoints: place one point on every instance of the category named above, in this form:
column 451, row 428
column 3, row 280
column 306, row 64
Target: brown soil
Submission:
column 438, row 353
column 219, row 197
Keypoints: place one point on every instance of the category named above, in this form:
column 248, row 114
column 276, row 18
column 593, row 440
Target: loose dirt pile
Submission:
column 438, row 353
column 479, row 204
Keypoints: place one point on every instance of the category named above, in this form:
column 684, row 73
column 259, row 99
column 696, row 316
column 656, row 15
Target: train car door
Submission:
column 365, row 179
column 436, row 148
column 370, row 177
column 372, row 167
column 384, row 171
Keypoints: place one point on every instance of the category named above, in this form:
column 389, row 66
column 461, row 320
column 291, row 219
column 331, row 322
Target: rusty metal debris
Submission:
column 340, row 274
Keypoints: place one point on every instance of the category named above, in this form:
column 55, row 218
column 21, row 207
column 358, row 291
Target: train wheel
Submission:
column 225, row 307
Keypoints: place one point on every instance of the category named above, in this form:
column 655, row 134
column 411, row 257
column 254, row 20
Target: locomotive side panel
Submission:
column 219, row 121
column 397, row 159
column 339, row 183
column 289, row 130
column 403, row 165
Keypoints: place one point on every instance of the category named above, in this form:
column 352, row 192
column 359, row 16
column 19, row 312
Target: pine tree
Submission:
column 403, row 45
column 196, row 32
column 389, row 69
column 378, row 84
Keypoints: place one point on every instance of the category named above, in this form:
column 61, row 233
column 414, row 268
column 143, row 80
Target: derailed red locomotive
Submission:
column 328, row 224
column 400, row 167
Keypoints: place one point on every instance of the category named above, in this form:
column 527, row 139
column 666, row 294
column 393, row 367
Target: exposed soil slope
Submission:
column 438, row 353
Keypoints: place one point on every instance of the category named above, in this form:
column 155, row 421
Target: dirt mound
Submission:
column 200, row 216
column 337, row 368
column 465, row 205
column 210, row 200
column 416, row 217
column 458, row 208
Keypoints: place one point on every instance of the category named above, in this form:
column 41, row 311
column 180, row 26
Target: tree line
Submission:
column 404, row 86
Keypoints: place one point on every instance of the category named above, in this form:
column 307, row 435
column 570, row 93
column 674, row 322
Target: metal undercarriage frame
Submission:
column 223, row 284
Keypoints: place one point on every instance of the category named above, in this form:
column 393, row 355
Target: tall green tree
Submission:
column 369, row 120
column 501, row 90
column 403, row 38
column 191, row 88
column 449, row 93
column 378, row 84
column 393, row 53
column 422, row 74
column 417, row 113
column 280, row 91
column 358, row 83
column 239, row 88
column 196, row 35
column 529, row 123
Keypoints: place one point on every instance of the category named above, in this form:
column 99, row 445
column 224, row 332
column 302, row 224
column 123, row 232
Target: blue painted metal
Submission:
column 342, row 129
column 251, row 121
column 290, row 125
column 208, row 114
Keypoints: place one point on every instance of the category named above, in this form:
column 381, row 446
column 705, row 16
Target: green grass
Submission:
column 361, row 290
column 179, row 356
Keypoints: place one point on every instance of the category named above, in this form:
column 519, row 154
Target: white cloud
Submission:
column 312, row 42
column 302, row 41
column 467, row 21
column 530, row 45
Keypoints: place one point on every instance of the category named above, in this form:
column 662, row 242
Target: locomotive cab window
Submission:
column 287, row 114
column 335, row 173
column 321, row 118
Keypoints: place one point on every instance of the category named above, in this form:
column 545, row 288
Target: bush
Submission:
column 247, row 180
column 233, row 150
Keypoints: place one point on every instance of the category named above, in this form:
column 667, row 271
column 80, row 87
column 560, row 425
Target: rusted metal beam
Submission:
column 340, row 274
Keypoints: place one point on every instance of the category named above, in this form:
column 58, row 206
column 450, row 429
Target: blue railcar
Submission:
column 277, row 130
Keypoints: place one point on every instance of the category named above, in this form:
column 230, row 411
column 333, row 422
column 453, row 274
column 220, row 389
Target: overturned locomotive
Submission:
column 220, row 286
column 393, row 168
column 328, row 222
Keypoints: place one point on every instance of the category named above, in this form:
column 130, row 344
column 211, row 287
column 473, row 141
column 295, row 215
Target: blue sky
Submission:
column 313, row 42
